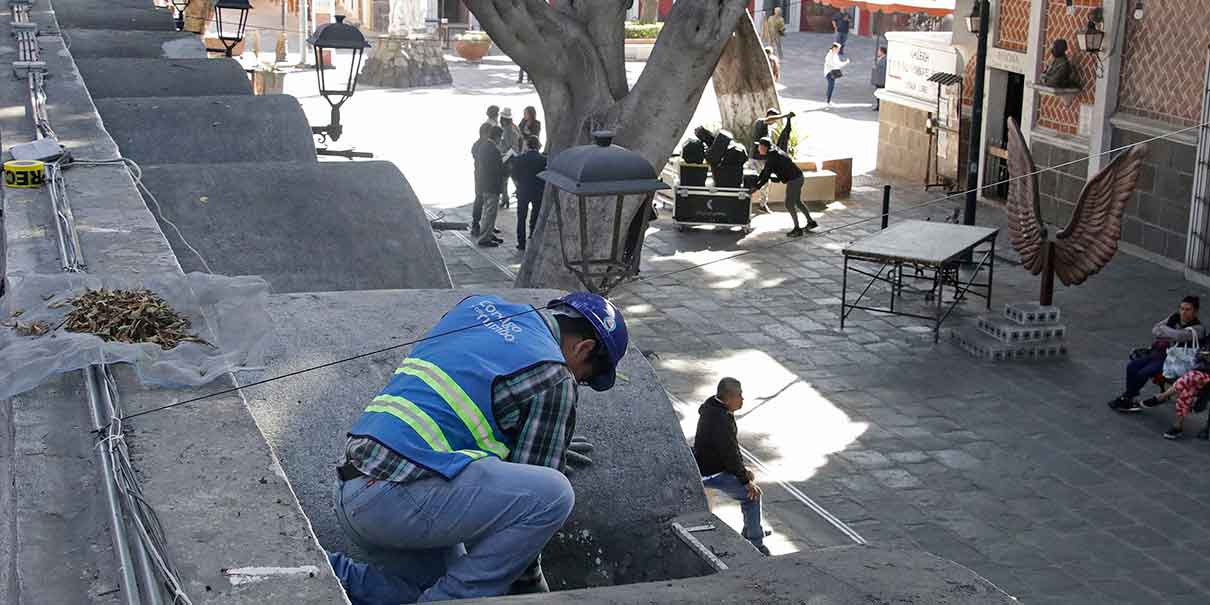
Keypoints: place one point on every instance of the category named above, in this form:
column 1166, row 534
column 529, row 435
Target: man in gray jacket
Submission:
column 878, row 75
column 1180, row 327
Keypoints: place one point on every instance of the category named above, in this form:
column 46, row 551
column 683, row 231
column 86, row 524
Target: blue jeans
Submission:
column 729, row 484
column 1139, row 371
column 831, row 86
column 841, row 39
column 436, row 540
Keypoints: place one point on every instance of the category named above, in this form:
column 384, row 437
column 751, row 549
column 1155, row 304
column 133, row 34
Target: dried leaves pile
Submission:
column 133, row 316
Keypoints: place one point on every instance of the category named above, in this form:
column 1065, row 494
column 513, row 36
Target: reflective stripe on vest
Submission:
column 458, row 400
column 420, row 422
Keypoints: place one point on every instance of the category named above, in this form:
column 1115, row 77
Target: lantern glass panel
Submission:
column 1091, row 39
column 345, row 68
column 230, row 22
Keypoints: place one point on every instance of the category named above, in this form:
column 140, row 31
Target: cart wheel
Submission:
column 747, row 230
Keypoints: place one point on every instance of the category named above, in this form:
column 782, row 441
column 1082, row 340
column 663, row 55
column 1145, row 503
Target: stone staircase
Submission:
column 1026, row 331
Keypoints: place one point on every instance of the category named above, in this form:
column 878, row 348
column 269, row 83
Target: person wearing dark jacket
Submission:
column 779, row 164
column 878, row 75
column 1179, row 328
column 489, row 180
column 485, row 129
column 525, row 169
column 716, row 449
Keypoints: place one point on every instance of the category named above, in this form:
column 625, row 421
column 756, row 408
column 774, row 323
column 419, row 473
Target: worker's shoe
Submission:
column 764, row 550
column 488, row 243
column 811, row 225
column 796, row 232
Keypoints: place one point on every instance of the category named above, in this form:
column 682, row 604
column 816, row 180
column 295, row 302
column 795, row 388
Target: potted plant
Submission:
column 642, row 33
column 473, row 45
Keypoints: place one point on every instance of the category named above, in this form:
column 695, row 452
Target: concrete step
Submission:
column 1010, row 332
column 1032, row 314
column 209, row 130
column 103, row 15
column 115, row 77
column 983, row 346
column 97, row 43
column 303, row 226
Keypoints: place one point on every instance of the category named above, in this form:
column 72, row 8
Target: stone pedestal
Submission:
column 405, row 62
column 1027, row 331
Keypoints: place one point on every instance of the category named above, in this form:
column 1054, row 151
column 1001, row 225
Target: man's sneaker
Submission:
column 764, row 550
column 475, row 232
column 1150, row 402
column 1173, row 433
column 1125, row 405
column 488, row 243
column 1204, row 434
column 811, row 225
column 796, row 232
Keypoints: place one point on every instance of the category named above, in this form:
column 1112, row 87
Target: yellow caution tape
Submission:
column 24, row 174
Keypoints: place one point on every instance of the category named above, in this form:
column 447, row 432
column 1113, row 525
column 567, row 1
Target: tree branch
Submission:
column 652, row 117
column 605, row 21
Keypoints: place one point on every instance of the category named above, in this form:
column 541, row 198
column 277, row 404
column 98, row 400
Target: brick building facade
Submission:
column 1150, row 82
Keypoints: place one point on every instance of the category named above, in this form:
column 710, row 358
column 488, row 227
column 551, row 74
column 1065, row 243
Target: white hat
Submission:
column 506, row 113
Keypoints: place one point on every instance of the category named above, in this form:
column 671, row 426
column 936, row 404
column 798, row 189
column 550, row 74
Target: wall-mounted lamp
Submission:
column 1138, row 10
column 1092, row 39
column 1071, row 7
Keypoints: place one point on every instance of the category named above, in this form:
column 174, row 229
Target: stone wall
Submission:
column 1157, row 217
column 1059, row 189
column 397, row 62
column 903, row 144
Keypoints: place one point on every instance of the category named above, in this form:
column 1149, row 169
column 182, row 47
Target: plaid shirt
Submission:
column 535, row 408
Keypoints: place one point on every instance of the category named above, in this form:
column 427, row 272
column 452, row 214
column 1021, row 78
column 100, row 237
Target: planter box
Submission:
column 639, row 49
column 472, row 50
column 268, row 82
column 816, row 187
column 843, row 167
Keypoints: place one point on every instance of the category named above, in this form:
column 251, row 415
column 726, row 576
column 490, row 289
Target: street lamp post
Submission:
column 178, row 13
column 337, row 88
column 236, row 13
column 978, row 22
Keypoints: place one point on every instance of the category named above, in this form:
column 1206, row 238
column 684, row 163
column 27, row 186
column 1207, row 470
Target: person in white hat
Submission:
column 510, row 145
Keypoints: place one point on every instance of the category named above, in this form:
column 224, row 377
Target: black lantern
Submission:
column 178, row 13
column 1092, row 39
column 597, row 175
column 972, row 20
column 230, row 19
column 336, row 37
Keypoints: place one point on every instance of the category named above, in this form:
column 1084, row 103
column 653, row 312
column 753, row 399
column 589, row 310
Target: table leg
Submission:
column 844, row 290
column 991, row 274
column 940, row 295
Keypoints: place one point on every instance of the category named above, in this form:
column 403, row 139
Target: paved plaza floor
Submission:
column 1017, row 470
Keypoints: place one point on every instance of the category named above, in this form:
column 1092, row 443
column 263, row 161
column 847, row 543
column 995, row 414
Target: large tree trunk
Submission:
column 575, row 55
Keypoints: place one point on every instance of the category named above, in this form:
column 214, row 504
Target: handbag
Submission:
column 836, row 74
column 1181, row 358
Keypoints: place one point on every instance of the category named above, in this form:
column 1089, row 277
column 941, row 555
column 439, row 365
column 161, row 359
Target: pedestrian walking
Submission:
column 452, row 476
column 529, row 124
column 774, row 63
column 840, row 25
column 832, row 66
column 878, row 75
column 716, row 450
column 778, row 163
column 774, row 30
column 490, row 178
column 525, row 169
column 509, row 145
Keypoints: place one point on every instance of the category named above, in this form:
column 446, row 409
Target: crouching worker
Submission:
column 452, row 477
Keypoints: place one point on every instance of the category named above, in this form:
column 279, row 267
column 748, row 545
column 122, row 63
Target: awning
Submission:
column 936, row 8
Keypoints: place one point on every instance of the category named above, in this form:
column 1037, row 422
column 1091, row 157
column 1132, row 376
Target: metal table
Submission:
column 935, row 251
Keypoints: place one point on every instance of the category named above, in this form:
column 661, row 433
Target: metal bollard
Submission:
column 886, row 205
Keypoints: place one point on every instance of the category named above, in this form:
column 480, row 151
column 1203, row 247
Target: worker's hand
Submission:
column 753, row 491
column 577, row 453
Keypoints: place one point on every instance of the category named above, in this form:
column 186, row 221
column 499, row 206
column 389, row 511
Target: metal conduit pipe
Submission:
column 100, row 421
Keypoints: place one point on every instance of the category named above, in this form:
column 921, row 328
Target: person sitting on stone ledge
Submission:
column 1187, row 389
column 716, row 449
column 1146, row 364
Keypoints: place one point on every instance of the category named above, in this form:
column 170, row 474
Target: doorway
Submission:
column 1008, row 104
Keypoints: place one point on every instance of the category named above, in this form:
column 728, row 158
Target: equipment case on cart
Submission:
column 713, row 206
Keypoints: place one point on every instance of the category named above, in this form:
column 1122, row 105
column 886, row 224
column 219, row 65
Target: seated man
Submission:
column 1170, row 331
column 716, row 449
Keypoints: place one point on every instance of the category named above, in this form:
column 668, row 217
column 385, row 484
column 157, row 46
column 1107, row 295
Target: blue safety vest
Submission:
column 437, row 409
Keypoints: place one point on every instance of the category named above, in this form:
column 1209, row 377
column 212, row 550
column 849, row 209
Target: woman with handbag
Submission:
column 1187, row 390
column 832, row 65
column 1181, row 327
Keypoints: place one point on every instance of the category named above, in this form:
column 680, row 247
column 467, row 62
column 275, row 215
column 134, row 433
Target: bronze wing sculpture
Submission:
column 1090, row 240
